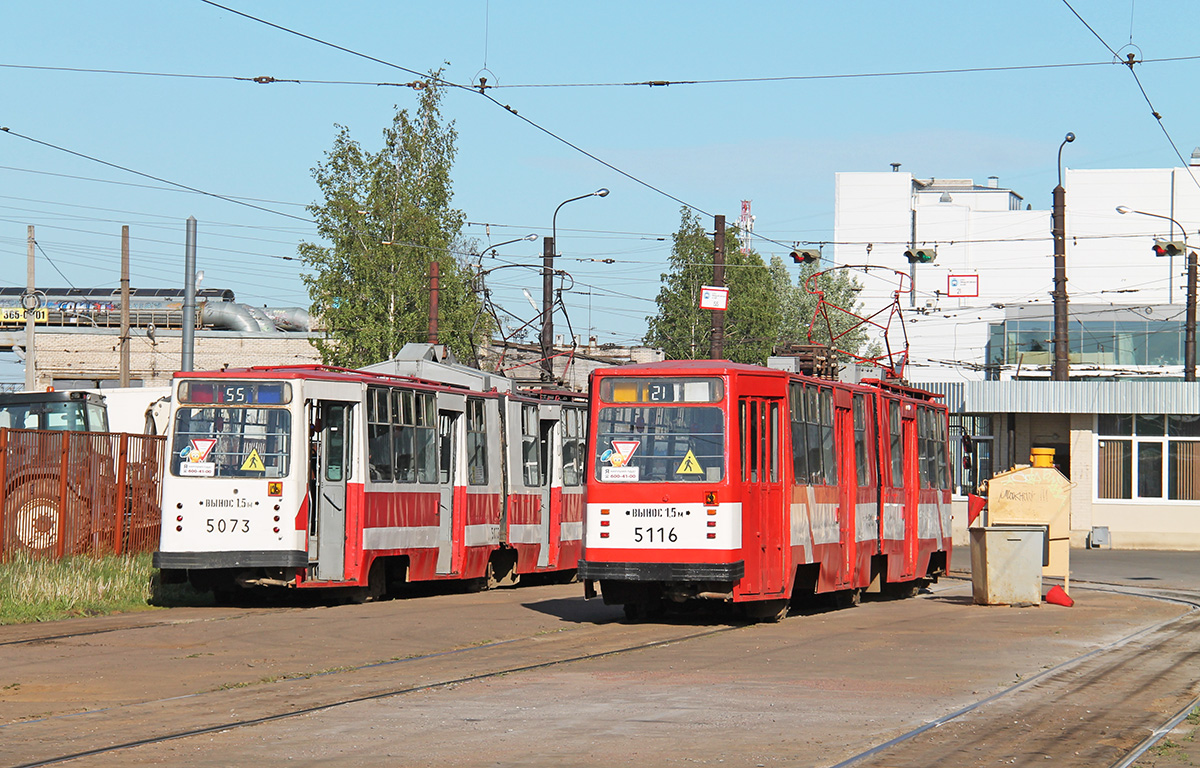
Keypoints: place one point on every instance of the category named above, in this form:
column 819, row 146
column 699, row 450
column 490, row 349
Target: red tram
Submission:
column 415, row 470
column 716, row 480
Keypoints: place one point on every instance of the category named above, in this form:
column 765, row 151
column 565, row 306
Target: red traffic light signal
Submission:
column 1168, row 247
column 805, row 256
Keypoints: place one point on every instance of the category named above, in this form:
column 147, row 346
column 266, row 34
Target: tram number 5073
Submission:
column 654, row 535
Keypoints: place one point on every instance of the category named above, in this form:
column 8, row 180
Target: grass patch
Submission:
column 42, row 589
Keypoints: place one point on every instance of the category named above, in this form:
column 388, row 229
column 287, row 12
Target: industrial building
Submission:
column 978, row 318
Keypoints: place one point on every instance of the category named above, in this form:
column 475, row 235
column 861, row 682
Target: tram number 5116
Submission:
column 654, row 535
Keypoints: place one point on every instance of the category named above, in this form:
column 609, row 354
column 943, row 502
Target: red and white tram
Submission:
column 418, row 470
column 711, row 479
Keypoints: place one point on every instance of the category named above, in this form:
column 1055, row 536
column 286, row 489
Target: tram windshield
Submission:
column 231, row 442
column 668, row 444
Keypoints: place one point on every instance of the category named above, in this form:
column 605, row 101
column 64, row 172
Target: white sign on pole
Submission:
column 714, row 297
column 962, row 286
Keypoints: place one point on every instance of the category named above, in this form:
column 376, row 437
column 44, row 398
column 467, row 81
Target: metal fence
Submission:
column 79, row 493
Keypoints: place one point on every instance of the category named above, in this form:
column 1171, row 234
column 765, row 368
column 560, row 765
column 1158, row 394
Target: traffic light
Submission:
column 805, row 256
column 1168, row 247
column 921, row 255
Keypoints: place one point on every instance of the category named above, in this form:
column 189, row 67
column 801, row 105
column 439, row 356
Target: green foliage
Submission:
column 766, row 308
column 386, row 216
column 43, row 589
column 684, row 331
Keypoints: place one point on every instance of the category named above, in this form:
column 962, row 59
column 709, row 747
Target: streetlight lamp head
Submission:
column 602, row 192
column 1070, row 137
column 530, row 236
column 1124, row 209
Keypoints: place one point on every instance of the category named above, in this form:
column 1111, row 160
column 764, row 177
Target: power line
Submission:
column 141, row 186
column 1129, row 62
column 319, row 41
column 235, row 201
column 417, row 85
column 56, row 269
column 482, row 92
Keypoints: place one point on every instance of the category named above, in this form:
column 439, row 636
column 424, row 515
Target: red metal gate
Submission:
column 77, row 493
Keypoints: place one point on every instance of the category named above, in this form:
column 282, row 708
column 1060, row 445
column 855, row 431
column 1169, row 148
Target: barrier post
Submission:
column 122, row 491
column 3, row 486
column 64, row 468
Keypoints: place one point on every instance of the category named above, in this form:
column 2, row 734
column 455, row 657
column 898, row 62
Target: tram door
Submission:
column 912, row 488
column 450, row 513
column 844, row 447
column 329, row 468
column 763, row 516
column 551, row 459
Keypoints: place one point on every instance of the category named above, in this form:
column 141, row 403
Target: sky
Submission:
column 787, row 115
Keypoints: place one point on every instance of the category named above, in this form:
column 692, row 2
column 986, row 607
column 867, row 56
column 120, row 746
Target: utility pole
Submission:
column 125, row 306
column 30, row 303
column 433, row 301
column 1189, row 327
column 1061, row 371
column 547, row 337
column 188, row 354
column 912, row 241
column 717, row 337
column 1058, row 226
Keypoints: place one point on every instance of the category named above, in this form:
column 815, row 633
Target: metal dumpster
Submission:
column 1006, row 564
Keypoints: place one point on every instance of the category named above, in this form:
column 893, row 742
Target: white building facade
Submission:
column 979, row 324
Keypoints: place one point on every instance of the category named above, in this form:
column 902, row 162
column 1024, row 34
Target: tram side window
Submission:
column 828, row 437
column 940, row 450
column 425, row 437
column 799, row 433
column 477, row 453
column 897, row 440
column 812, row 417
column 773, row 446
column 923, row 447
column 413, row 435
column 862, row 443
column 531, row 446
column 379, row 439
column 403, row 434
column 573, row 446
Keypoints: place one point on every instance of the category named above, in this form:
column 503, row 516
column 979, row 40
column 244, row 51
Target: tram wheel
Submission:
column 903, row 589
column 767, row 611
column 644, row 610
column 847, row 598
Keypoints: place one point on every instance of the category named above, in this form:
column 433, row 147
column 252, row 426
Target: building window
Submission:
column 1148, row 457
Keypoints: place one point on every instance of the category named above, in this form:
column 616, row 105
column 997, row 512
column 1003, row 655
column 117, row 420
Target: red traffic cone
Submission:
column 1058, row 596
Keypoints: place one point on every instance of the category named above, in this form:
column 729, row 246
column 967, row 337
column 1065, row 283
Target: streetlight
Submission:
column 493, row 248
column 548, row 246
column 1058, row 228
column 1189, row 326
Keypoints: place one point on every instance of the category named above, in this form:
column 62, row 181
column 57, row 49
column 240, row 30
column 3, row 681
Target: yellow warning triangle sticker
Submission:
column 253, row 463
column 689, row 466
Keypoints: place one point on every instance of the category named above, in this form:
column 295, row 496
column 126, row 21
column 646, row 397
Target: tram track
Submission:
column 120, row 627
column 1039, row 712
column 1039, row 729
column 107, row 731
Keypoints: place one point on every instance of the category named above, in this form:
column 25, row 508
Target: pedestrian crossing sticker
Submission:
column 253, row 462
column 689, row 466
